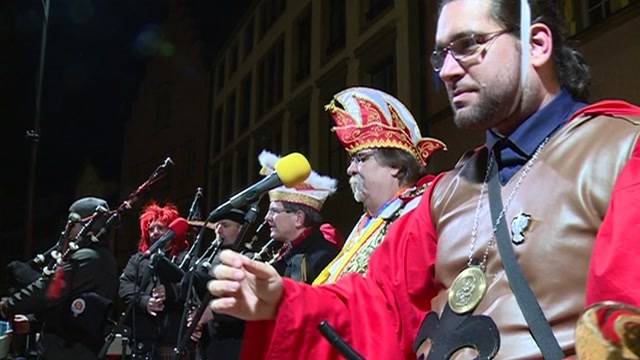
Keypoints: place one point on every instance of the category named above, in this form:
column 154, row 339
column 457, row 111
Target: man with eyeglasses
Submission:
column 563, row 182
column 386, row 170
column 387, row 175
column 294, row 221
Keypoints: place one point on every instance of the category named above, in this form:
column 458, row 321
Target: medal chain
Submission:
column 483, row 190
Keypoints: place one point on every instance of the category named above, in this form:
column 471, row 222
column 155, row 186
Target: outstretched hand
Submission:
column 246, row 289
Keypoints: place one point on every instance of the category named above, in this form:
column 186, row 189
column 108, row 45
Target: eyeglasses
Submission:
column 463, row 48
column 361, row 157
column 274, row 211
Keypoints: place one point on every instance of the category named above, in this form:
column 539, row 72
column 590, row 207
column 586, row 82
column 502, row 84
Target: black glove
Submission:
column 20, row 274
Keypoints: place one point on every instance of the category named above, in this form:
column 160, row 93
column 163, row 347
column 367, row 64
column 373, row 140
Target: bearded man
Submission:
column 386, row 170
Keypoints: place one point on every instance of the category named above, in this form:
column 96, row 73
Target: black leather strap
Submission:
column 538, row 324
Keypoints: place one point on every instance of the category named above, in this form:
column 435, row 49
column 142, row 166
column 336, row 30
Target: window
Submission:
column 270, row 12
column 220, row 75
column 227, row 178
column 217, row 133
column 214, row 186
column 271, row 74
column 231, row 117
column 378, row 62
column 383, row 76
column 303, row 48
column 300, row 132
column 332, row 158
column 243, row 170
column 376, row 7
column 337, row 157
column 336, row 26
column 263, row 139
column 582, row 14
column 248, row 39
column 245, row 107
column 276, row 143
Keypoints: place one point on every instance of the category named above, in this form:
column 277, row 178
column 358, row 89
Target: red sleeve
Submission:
column 614, row 273
column 378, row 315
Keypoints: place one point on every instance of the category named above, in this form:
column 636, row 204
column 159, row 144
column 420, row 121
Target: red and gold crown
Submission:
column 369, row 118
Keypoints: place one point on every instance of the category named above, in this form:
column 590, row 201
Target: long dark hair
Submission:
column 573, row 72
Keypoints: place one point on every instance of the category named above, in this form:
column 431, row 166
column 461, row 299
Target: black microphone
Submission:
column 178, row 227
column 289, row 171
column 338, row 342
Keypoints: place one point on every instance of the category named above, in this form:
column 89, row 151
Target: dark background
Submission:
column 95, row 60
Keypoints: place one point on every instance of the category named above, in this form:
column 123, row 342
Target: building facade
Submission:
column 169, row 118
column 286, row 59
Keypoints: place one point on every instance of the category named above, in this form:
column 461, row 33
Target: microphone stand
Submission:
column 183, row 339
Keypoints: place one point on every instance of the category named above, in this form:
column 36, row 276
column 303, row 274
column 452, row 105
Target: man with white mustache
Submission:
column 387, row 177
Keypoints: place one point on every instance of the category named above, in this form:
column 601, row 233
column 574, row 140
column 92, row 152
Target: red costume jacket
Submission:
column 379, row 314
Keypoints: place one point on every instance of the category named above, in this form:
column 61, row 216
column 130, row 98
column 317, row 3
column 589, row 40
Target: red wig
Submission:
column 166, row 214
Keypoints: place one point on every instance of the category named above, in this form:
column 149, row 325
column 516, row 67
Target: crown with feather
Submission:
column 369, row 118
column 312, row 192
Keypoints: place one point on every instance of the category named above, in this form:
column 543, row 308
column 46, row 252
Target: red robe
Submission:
column 379, row 315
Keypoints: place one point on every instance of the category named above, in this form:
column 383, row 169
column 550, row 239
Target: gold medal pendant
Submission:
column 467, row 290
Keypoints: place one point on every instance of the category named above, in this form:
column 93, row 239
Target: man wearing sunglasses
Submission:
column 562, row 179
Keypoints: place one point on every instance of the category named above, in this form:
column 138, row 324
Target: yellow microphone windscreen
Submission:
column 293, row 169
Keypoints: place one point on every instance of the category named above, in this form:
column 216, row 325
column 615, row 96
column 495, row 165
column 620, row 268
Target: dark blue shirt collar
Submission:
column 516, row 149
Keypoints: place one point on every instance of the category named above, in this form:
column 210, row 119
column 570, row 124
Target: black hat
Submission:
column 236, row 215
column 87, row 206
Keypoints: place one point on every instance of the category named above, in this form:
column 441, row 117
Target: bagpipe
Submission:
column 290, row 170
column 65, row 247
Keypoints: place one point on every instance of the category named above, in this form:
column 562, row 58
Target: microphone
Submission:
column 178, row 227
column 289, row 171
column 338, row 342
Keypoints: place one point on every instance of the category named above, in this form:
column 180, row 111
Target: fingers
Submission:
column 159, row 292
column 225, row 272
column 223, row 287
column 232, row 258
column 223, row 305
column 233, row 264
column 197, row 334
column 261, row 270
column 154, row 306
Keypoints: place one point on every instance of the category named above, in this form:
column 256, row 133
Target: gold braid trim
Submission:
column 296, row 198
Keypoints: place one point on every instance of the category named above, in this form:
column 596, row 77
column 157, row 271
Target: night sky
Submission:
column 95, row 60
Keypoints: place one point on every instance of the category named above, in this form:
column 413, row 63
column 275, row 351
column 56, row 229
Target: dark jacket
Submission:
column 163, row 328
column 73, row 324
column 305, row 261
column 221, row 337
